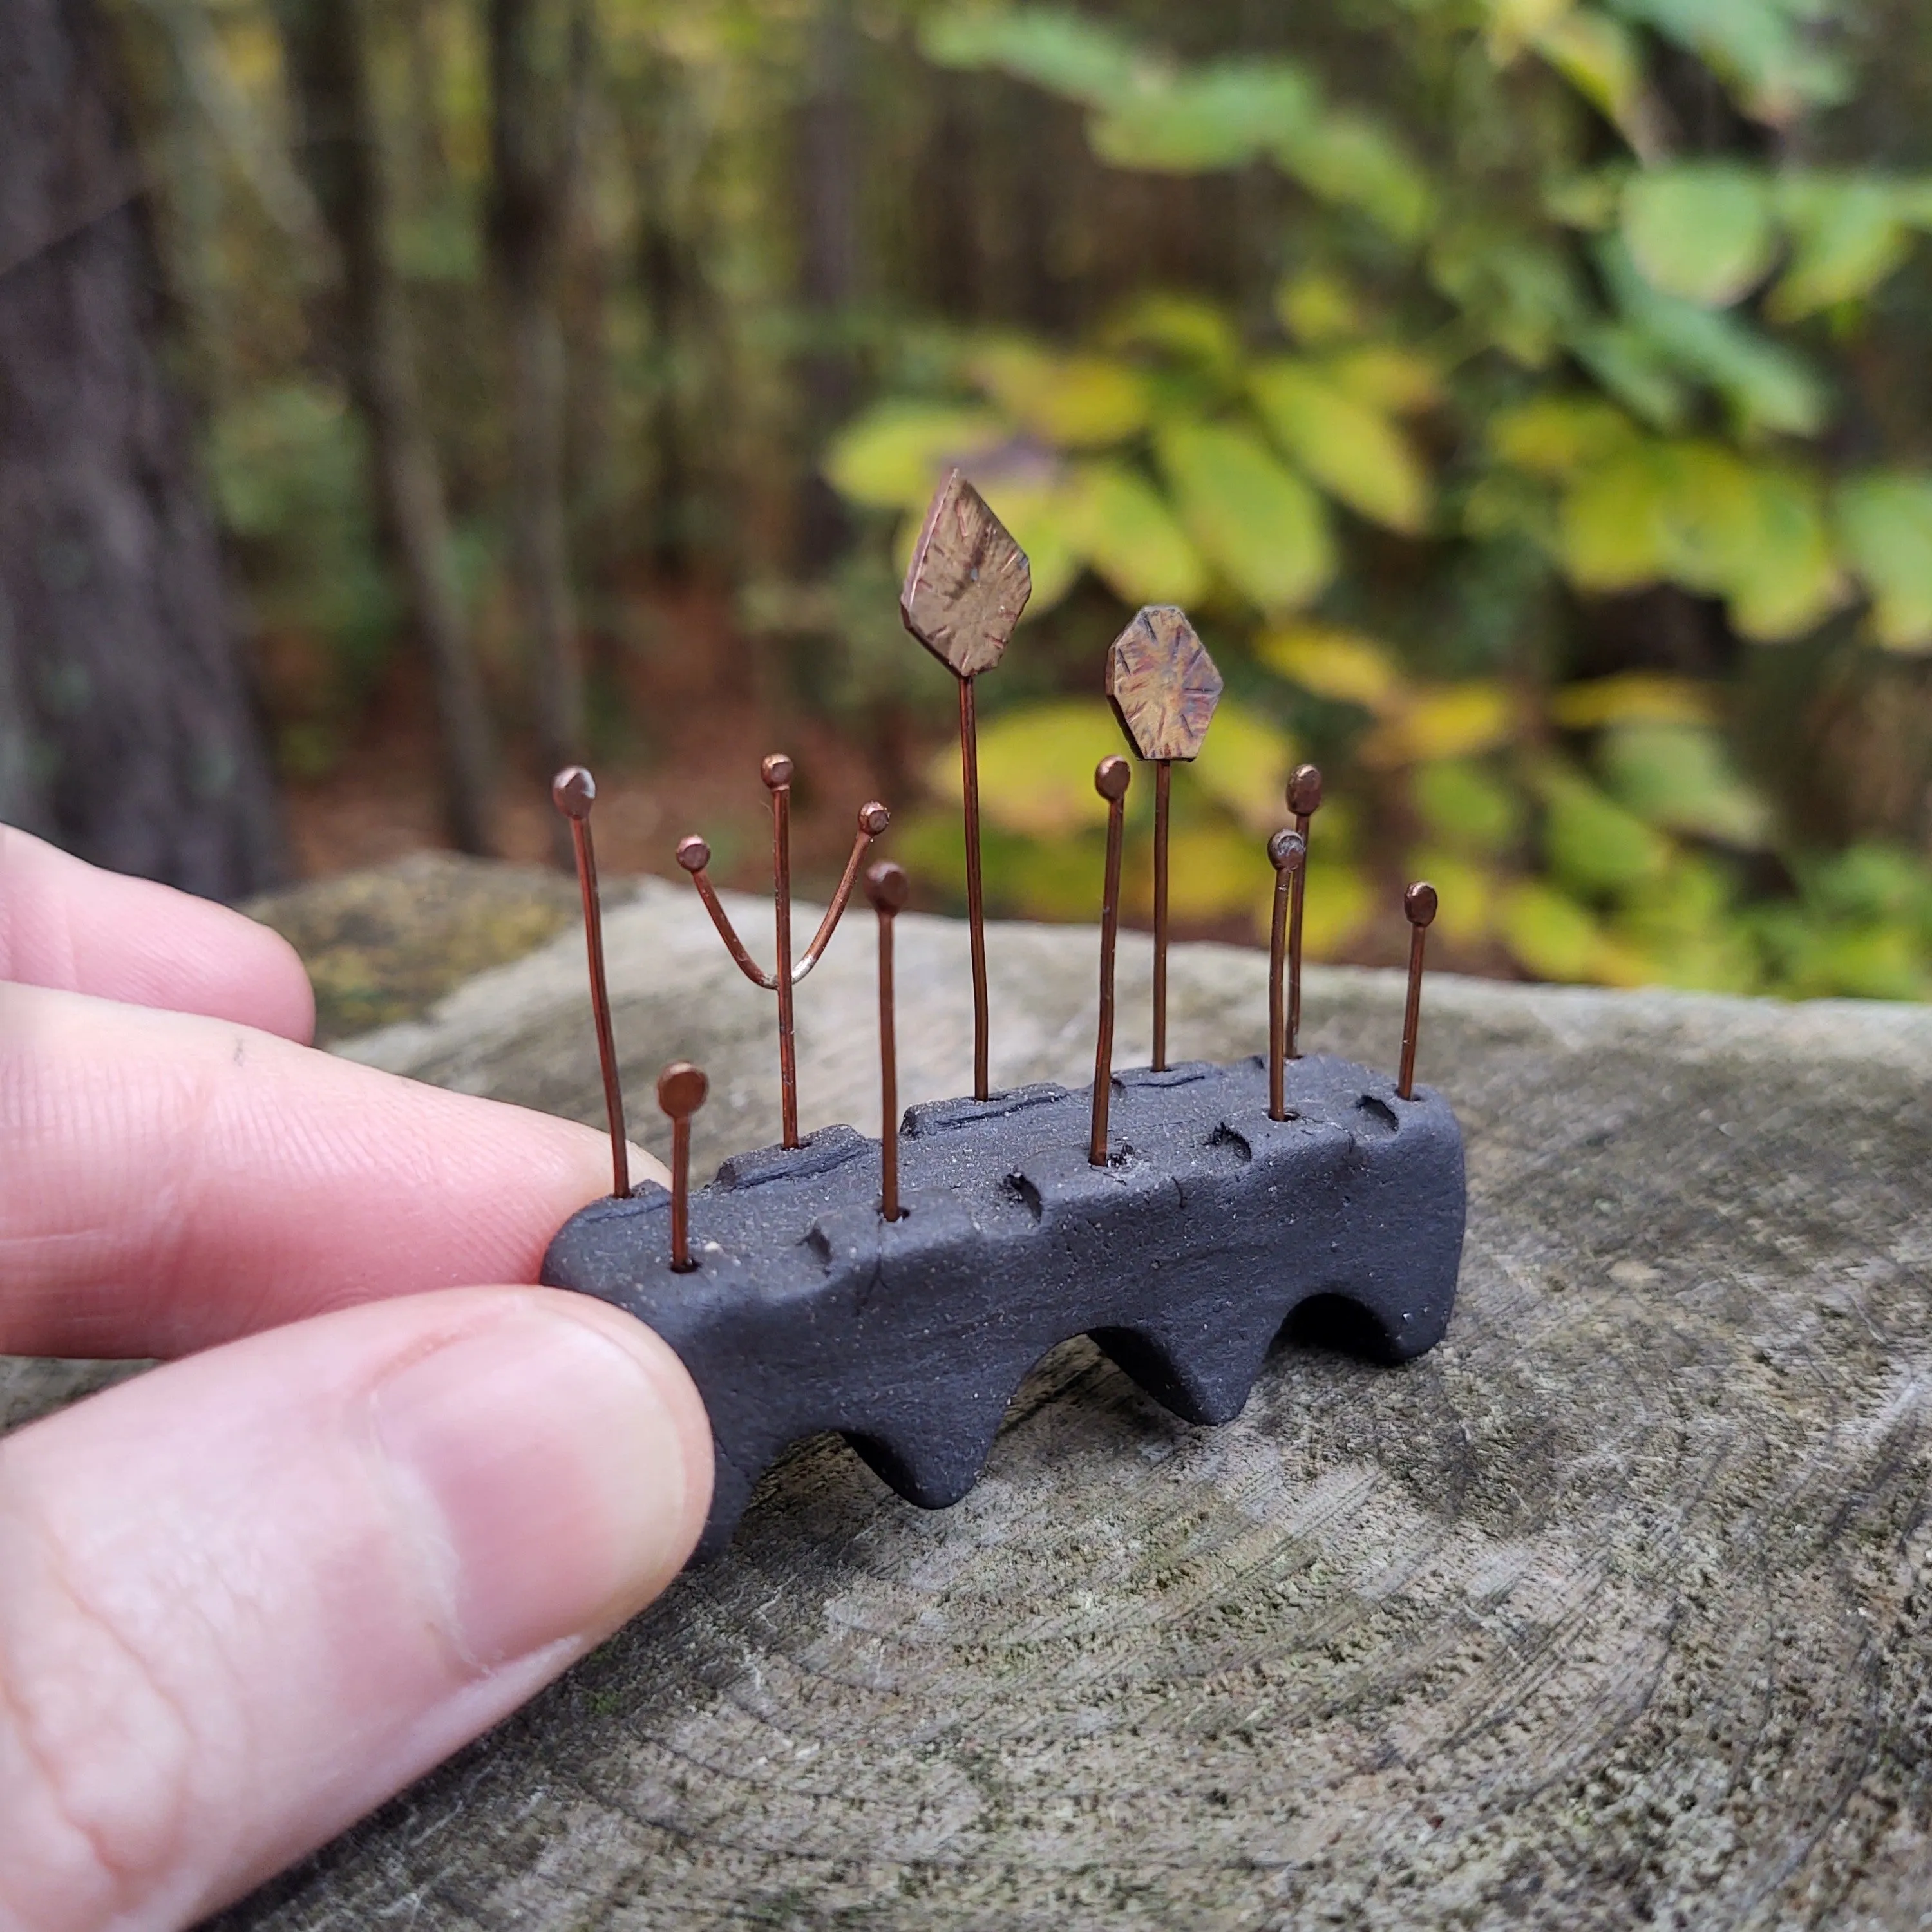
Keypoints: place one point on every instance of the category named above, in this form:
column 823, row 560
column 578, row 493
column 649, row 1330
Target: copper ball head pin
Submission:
column 1304, row 799
column 1419, row 904
column 887, row 887
column 681, row 1088
column 695, row 856
column 573, row 791
column 1286, row 850
column 1111, row 777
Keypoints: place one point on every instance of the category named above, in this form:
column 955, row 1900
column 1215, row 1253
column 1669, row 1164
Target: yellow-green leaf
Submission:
column 893, row 455
column 1397, row 382
column 1613, row 531
column 1318, row 305
column 1466, row 893
column 1634, row 697
column 1132, row 538
column 1850, row 236
column 1550, row 934
column 1043, row 513
column 1702, row 230
column 1244, row 766
column 1787, row 580
column 1681, row 777
column 1465, row 808
column 1184, row 327
column 1037, row 767
column 1335, row 663
column 1600, row 59
column 1338, row 902
column 1079, row 402
column 1212, row 871
column 1557, row 435
column 1447, row 721
column 1886, row 524
column 1594, row 845
column 1351, row 451
column 1261, row 526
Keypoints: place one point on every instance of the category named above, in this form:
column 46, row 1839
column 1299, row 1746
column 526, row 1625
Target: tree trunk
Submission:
column 328, row 48
column 127, row 729
column 539, row 78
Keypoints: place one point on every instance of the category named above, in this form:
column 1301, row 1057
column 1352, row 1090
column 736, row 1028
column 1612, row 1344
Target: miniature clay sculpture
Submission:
column 896, row 1292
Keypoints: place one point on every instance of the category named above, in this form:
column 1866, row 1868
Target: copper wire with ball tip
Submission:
column 1419, row 904
column 682, row 1091
column 1304, row 800
column 887, row 887
column 1287, row 851
column 573, row 791
column 1111, row 777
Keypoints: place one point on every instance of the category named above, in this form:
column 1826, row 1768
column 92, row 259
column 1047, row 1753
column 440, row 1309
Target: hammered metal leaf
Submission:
column 1162, row 684
column 967, row 584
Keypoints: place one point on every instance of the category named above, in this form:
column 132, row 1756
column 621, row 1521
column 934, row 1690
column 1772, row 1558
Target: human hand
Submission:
column 246, row 1596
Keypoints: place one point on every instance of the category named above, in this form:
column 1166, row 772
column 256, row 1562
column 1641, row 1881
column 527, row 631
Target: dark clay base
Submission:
column 1183, row 1258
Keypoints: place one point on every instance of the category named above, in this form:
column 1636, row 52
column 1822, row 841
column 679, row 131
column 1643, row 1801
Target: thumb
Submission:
column 245, row 1597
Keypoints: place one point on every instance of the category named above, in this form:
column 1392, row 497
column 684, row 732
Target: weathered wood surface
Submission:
column 1617, row 1609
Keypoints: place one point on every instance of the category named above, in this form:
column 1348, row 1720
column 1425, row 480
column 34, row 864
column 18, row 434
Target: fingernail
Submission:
column 544, row 1470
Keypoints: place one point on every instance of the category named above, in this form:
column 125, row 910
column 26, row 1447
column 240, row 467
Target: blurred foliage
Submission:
column 1578, row 360
column 1527, row 398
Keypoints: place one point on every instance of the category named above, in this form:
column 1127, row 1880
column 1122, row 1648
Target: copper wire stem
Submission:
column 1284, row 882
column 680, row 1196
column 1163, row 772
column 733, row 945
column 1110, row 925
column 600, row 1004
column 976, row 903
column 888, row 1078
column 1297, row 885
column 1412, row 1014
column 782, row 971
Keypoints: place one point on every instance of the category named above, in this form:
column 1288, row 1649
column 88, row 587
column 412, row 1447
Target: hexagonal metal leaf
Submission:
column 967, row 584
column 1162, row 684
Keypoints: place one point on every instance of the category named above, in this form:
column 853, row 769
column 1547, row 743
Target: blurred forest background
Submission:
column 1529, row 399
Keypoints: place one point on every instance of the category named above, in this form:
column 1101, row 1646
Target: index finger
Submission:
column 71, row 925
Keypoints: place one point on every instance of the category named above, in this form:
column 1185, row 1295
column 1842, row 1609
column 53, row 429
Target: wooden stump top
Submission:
column 1616, row 1609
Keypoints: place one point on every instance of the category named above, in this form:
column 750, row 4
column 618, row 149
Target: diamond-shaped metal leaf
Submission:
column 1162, row 683
column 967, row 583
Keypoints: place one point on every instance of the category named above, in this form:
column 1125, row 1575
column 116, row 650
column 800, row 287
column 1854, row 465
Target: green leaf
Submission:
column 1066, row 53
column 1352, row 452
column 1464, row 807
column 1550, row 934
column 1132, row 539
column 1318, row 305
column 1681, row 919
column 1185, row 327
column 1398, row 382
column 1702, row 231
column 1444, row 720
column 1634, row 698
column 1521, row 292
column 1342, row 665
column 1767, row 386
column 1044, row 517
column 1037, row 767
column 1078, row 402
column 1557, row 435
column 1765, row 51
column 1349, row 159
column 1613, row 531
column 1261, row 526
column 892, row 455
column 1885, row 523
column 1244, row 766
column 1593, row 843
column 1681, row 777
column 1850, row 235
column 1600, row 59
column 1784, row 581
column 1218, row 116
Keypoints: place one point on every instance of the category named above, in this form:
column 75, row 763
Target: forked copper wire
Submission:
column 1111, row 777
column 887, row 887
column 1304, row 799
column 573, row 791
column 681, row 1090
column 695, row 856
column 1286, row 851
column 1419, row 903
